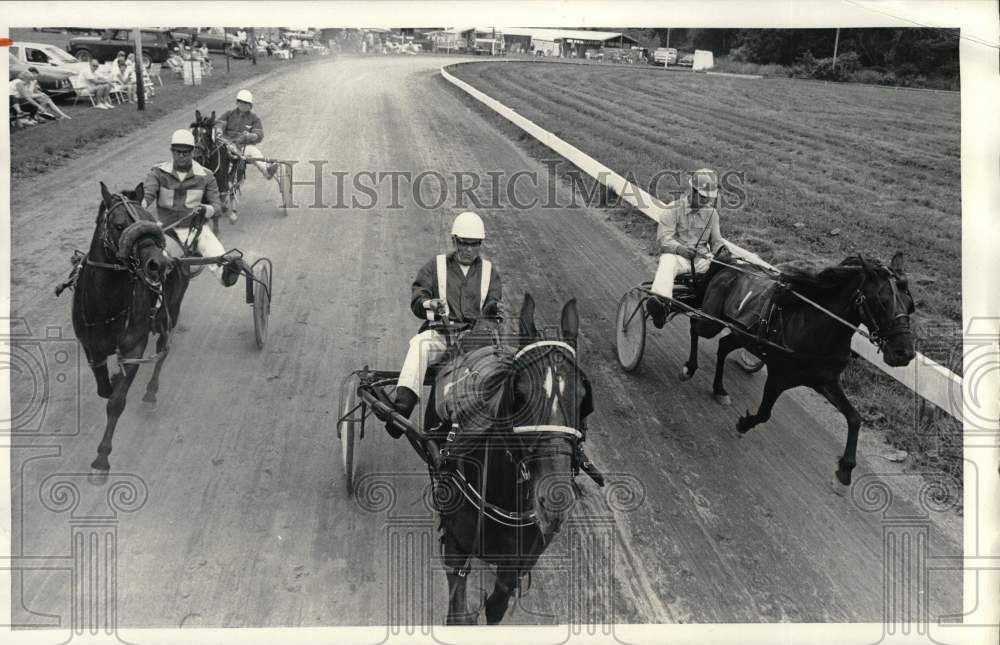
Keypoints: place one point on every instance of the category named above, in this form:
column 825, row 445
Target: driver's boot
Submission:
column 588, row 466
column 406, row 399
column 657, row 311
column 232, row 271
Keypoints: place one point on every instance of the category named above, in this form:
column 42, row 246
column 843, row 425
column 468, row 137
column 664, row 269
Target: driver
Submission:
column 689, row 231
column 180, row 185
column 241, row 128
column 472, row 287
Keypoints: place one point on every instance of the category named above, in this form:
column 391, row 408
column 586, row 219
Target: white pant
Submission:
column 254, row 152
column 670, row 266
column 426, row 348
column 208, row 245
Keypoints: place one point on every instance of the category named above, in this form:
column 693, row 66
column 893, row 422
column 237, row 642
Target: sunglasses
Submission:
column 468, row 243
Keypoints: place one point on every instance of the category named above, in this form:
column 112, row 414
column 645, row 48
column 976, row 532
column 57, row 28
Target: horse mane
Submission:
column 813, row 282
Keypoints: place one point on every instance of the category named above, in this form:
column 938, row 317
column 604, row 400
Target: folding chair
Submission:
column 80, row 90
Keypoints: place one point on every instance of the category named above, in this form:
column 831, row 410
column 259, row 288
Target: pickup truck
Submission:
column 156, row 45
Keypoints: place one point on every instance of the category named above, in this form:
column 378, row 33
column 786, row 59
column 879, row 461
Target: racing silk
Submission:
column 234, row 123
column 175, row 197
column 467, row 295
column 683, row 226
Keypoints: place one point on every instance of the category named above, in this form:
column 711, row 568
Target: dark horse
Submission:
column 858, row 290
column 127, row 288
column 212, row 153
column 525, row 458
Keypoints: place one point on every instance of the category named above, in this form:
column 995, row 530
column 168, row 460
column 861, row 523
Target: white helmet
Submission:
column 182, row 138
column 469, row 226
column 245, row 96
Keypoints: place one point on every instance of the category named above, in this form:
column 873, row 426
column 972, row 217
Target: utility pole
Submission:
column 225, row 34
column 666, row 59
column 836, row 42
column 140, row 86
column 253, row 45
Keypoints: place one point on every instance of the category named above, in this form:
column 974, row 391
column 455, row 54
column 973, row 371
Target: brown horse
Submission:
column 858, row 290
column 513, row 481
column 127, row 288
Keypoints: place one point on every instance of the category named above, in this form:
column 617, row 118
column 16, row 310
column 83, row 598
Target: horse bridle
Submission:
column 200, row 145
column 900, row 323
column 524, row 358
column 131, row 263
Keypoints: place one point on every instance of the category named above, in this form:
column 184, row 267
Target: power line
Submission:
column 974, row 39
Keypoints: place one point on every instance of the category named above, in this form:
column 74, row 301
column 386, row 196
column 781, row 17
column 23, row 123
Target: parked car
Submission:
column 44, row 55
column 687, row 60
column 156, row 45
column 214, row 38
column 54, row 81
column 665, row 56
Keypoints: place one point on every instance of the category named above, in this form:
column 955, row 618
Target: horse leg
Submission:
column 834, row 393
column 689, row 368
column 100, row 371
column 154, row 383
column 455, row 560
column 772, row 390
column 726, row 345
column 116, row 405
column 498, row 601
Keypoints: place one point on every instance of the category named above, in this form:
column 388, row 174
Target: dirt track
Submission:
column 247, row 522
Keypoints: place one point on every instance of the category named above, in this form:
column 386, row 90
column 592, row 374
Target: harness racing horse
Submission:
column 512, row 484
column 805, row 340
column 126, row 289
column 213, row 154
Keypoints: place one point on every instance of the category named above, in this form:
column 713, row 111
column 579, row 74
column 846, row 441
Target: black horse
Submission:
column 126, row 289
column 525, row 461
column 212, row 153
column 858, row 290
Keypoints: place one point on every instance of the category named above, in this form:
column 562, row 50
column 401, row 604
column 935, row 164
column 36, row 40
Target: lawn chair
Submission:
column 80, row 90
column 176, row 65
column 154, row 75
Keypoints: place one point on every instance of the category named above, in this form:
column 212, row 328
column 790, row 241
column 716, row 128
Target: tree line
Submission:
column 903, row 52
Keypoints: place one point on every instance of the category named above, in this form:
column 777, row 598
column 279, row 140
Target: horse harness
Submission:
column 129, row 264
column 900, row 322
column 537, row 351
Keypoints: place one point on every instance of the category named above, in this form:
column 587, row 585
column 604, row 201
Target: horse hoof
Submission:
column 844, row 477
column 684, row 375
column 98, row 477
column 723, row 399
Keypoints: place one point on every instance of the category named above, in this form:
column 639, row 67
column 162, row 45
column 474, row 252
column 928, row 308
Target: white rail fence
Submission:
column 930, row 380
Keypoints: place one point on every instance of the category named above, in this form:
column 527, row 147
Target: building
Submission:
column 564, row 43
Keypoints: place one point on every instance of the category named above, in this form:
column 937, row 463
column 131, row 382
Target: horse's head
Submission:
column 885, row 305
column 203, row 129
column 549, row 398
column 130, row 235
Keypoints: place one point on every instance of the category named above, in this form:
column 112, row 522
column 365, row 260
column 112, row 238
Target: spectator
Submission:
column 123, row 75
column 21, row 96
column 98, row 84
column 41, row 97
column 19, row 107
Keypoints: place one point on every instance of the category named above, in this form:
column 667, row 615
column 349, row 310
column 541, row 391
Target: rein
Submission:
column 874, row 335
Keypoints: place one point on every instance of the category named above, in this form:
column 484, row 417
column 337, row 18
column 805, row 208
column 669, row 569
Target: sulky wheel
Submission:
column 261, row 301
column 347, row 429
column 630, row 330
